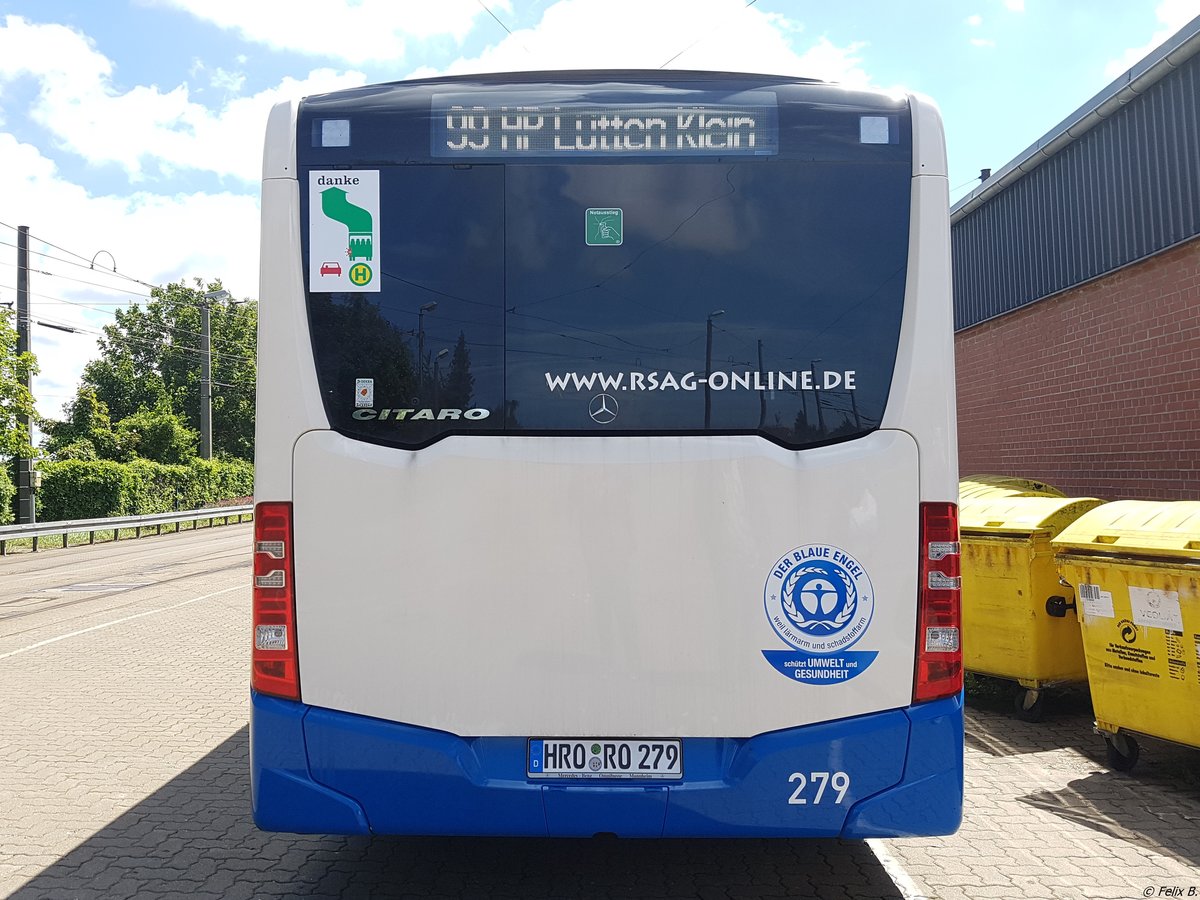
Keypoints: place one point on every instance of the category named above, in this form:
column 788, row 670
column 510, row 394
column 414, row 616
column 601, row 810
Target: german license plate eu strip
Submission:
column 646, row 758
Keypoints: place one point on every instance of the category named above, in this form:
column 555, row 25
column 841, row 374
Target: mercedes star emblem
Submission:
column 603, row 409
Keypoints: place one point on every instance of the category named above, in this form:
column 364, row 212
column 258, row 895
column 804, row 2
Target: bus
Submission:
column 605, row 461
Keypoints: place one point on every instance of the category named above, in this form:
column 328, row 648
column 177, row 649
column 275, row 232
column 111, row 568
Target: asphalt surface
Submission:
column 123, row 773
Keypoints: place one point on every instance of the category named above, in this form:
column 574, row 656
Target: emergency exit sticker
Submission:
column 343, row 230
column 604, row 227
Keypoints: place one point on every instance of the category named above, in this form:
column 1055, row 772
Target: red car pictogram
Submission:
column 331, row 268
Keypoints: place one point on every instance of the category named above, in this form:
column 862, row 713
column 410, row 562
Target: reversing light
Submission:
column 941, row 640
column 941, row 582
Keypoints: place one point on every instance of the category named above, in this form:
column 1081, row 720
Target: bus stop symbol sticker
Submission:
column 604, row 227
column 343, row 230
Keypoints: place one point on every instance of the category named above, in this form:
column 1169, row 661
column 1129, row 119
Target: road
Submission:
column 123, row 773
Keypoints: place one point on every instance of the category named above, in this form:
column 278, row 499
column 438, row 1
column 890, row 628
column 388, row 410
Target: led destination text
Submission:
column 553, row 130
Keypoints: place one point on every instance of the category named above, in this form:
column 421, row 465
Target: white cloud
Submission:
column 357, row 32
column 975, row 21
column 699, row 34
column 230, row 82
column 1015, row 5
column 1171, row 15
column 150, row 130
column 143, row 128
column 152, row 237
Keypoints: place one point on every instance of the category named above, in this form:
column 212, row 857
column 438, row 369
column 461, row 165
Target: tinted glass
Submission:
column 695, row 293
column 743, row 297
column 440, row 301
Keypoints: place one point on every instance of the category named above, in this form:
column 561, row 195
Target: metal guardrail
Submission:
column 118, row 523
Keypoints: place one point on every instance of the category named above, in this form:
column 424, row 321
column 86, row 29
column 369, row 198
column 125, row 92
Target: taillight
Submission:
column 939, row 605
column 273, row 659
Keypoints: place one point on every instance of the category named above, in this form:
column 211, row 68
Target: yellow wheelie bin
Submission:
column 1014, row 610
column 973, row 486
column 1135, row 566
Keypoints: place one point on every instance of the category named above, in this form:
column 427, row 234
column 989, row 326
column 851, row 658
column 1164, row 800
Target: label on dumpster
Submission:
column 1129, row 659
column 1097, row 604
column 1156, row 609
column 1176, row 663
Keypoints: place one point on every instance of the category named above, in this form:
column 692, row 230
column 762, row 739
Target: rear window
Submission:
column 677, row 295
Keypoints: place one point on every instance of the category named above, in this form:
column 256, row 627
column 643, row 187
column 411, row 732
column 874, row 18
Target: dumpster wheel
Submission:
column 1123, row 751
column 1029, row 704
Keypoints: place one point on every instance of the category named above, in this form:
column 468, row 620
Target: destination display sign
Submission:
column 558, row 124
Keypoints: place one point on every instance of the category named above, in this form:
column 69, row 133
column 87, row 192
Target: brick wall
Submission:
column 1095, row 390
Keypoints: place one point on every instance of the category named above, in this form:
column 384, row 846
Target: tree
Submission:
column 355, row 339
column 16, row 408
column 458, row 386
column 87, row 431
column 159, row 435
column 149, row 371
column 122, row 384
column 16, row 401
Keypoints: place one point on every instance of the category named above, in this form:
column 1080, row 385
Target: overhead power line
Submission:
column 104, row 287
column 142, row 341
column 507, row 30
column 86, row 262
column 749, row 3
column 89, row 263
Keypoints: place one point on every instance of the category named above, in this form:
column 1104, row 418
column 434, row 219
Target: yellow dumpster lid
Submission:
column 1004, row 486
column 1021, row 515
column 1153, row 528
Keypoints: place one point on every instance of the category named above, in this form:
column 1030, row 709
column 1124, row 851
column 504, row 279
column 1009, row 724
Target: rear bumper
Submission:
column 318, row 771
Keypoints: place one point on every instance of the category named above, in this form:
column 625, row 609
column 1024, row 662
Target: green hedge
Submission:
column 8, row 492
column 91, row 489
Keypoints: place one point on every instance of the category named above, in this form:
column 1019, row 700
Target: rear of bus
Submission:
column 606, row 461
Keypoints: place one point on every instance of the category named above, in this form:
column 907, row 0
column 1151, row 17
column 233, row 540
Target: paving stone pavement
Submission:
column 123, row 761
column 1046, row 818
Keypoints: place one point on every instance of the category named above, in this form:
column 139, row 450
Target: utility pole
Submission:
column 206, row 371
column 812, row 367
column 26, row 510
column 708, row 368
column 762, row 394
column 205, row 382
column 428, row 307
column 437, row 375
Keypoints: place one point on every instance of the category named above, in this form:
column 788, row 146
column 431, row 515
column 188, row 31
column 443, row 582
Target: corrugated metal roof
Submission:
column 1117, row 180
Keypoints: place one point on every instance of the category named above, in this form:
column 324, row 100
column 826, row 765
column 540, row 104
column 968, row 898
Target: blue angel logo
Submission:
column 819, row 600
column 819, row 597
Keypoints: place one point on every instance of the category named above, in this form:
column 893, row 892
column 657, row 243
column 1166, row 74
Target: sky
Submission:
column 131, row 130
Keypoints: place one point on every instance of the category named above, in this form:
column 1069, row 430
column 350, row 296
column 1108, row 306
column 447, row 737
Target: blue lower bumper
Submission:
column 318, row 771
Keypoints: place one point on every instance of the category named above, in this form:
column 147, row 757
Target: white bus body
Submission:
column 478, row 625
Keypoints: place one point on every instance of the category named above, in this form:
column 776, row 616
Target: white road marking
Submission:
column 149, row 612
column 900, row 878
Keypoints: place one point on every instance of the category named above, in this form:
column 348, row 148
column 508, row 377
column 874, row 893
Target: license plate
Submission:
column 605, row 758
